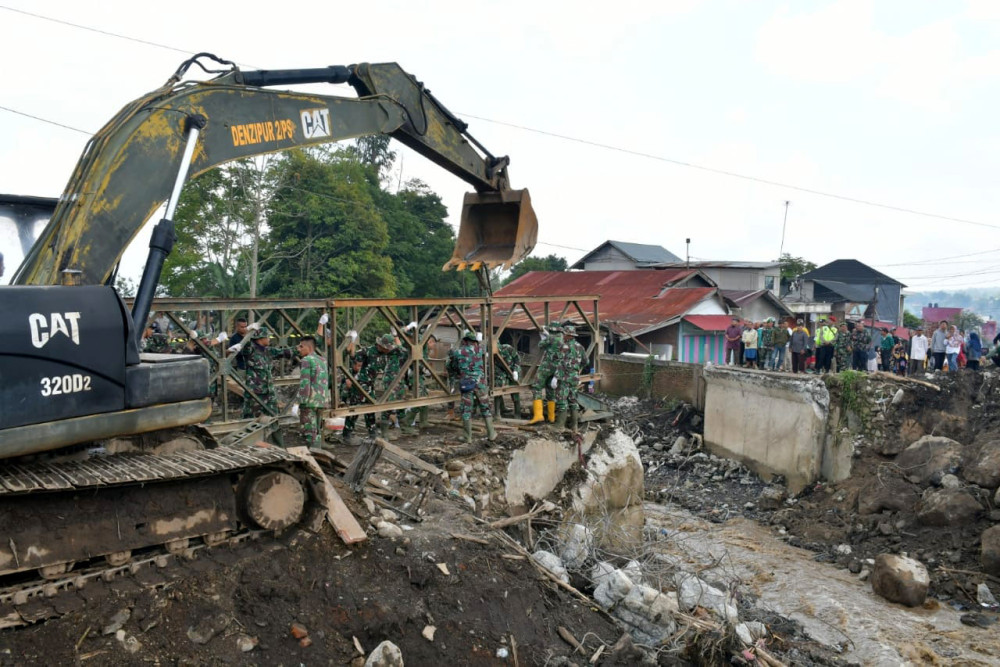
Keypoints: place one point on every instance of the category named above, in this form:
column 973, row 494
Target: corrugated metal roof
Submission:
column 641, row 253
column 849, row 271
column 935, row 315
column 710, row 322
column 713, row 264
column 631, row 301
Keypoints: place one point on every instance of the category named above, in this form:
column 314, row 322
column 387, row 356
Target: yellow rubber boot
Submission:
column 552, row 411
column 536, row 411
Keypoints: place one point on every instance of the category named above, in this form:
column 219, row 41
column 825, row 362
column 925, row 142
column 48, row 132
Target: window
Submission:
column 769, row 283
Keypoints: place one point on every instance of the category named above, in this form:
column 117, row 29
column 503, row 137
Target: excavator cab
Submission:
column 497, row 228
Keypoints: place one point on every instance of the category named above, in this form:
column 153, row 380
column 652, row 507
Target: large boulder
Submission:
column 982, row 467
column 609, row 501
column 894, row 494
column 990, row 550
column 900, row 579
column 947, row 507
column 928, row 456
column 535, row 471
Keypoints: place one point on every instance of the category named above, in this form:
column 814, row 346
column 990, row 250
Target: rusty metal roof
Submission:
column 631, row 302
column 710, row 322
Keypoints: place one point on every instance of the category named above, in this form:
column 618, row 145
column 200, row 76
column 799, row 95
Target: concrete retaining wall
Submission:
column 671, row 379
column 775, row 423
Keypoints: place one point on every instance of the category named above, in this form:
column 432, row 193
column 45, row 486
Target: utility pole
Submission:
column 687, row 260
column 781, row 250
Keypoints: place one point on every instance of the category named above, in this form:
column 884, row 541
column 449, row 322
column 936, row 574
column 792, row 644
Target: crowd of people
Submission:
column 834, row 346
column 381, row 372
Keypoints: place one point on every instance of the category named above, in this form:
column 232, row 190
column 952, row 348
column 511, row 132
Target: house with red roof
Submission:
column 640, row 311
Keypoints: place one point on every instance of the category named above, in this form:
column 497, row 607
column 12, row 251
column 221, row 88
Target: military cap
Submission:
column 569, row 330
column 386, row 341
column 469, row 334
column 263, row 332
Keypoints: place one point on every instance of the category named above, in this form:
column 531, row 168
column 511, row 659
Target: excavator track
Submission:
column 56, row 516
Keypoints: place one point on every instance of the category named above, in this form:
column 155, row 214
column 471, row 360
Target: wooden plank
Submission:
column 347, row 527
column 409, row 458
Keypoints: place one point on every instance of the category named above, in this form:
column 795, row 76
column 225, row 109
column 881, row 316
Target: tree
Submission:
column 968, row 320
column 327, row 237
column 793, row 267
column 548, row 263
column 911, row 321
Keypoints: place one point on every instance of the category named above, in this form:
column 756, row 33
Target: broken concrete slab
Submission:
column 609, row 501
column 535, row 471
column 776, row 424
column 648, row 614
column 900, row 579
column 693, row 592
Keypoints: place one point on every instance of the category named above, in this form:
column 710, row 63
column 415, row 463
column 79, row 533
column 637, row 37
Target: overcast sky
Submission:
column 893, row 102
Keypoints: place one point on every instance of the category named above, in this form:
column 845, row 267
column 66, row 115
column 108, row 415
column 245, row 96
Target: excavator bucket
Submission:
column 498, row 228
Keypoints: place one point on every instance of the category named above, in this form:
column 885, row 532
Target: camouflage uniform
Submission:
column 259, row 377
column 366, row 375
column 502, row 378
column 842, row 350
column 550, row 349
column 765, row 345
column 859, row 340
column 466, row 361
column 314, row 395
column 572, row 357
column 156, row 343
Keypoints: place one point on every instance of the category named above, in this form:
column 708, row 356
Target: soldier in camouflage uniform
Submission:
column 860, row 340
column 314, row 390
column 363, row 363
column 842, row 348
column 571, row 359
column 153, row 341
column 258, row 355
column 504, row 379
column 466, row 365
column 549, row 348
column 391, row 357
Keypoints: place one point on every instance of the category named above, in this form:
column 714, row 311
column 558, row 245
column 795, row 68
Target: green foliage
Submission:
column 852, row 394
column 793, row 267
column 911, row 321
column 648, row 373
column 548, row 263
column 968, row 320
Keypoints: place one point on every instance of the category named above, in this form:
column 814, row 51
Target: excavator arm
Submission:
column 130, row 166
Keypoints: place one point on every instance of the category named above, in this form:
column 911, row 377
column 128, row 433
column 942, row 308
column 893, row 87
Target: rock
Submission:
column 693, row 592
column 947, row 507
column 116, row 622
column 613, row 589
column 633, row 570
column 983, row 468
column 385, row 654
column 306, row 642
column 207, row 628
column 552, row 563
column 750, row 632
column 246, row 643
column 389, row 530
column 864, row 574
column 428, row 632
column 985, row 596
column 389, row 515
column 299, row 631
column 990, row 550
column 771, row 498
column 600, row 572
column 536, row 470
column 843, row 550
column 996, row 499
column 900, row 579
column 928, row 455
column 648, row 613
column 909, row 432
column 659, row 446
column 129, row 643
column 892, row 494
column 680, row 444
column 897, row 398
column 455, row 466
column 576, row 547
column 369, row 504
column 950, row 482
column 977, row 620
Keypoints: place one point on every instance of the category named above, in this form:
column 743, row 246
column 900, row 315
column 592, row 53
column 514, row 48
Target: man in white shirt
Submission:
column 918, row 352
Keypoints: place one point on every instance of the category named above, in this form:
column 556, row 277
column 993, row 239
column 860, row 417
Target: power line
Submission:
column 937, row 260
column 97, row 30
column 45, row 120
column 733, row 174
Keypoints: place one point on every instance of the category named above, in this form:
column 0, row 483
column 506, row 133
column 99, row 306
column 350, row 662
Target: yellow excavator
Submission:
column 72, row 375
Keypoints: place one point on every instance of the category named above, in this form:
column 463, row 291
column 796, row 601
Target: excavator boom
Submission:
column 129, row 167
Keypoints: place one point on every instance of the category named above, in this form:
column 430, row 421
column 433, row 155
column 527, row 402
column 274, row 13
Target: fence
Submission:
column 440, row 323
